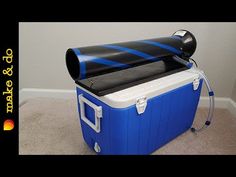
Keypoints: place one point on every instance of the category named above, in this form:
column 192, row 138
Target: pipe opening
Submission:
column 73, row 64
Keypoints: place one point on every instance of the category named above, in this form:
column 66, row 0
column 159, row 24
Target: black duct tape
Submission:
column 86, row 62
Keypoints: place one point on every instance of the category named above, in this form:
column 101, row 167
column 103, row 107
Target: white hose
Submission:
column 210, row 92
column 211, row 100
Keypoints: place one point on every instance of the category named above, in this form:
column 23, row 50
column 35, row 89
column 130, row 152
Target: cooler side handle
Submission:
column 97, row 110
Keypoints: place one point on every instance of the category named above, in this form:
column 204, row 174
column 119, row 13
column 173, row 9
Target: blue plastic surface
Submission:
column 124, row 131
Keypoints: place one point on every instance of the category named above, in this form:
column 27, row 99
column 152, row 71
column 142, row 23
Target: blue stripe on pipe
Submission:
column 104, row 61
column 132, row 51
column 84, row 58
column 82, row 64
column 163, row 46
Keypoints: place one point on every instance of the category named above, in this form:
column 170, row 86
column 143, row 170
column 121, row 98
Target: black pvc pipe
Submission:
column 92, row 61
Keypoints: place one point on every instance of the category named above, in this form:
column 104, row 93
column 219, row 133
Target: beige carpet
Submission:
column 51, row 126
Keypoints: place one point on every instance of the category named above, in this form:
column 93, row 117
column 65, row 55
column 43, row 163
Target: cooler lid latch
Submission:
column 196, row 83
column 141, row 104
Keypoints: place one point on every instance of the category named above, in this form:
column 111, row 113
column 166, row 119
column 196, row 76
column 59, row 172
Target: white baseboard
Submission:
column 232, row 107
column 27, row 93
column 220, row 102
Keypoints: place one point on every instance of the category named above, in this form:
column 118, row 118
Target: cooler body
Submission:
column 140, row 119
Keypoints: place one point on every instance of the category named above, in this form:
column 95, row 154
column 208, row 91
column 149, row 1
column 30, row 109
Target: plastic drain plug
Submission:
column 97, row 147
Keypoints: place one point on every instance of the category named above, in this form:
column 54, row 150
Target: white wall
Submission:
column 43, row 45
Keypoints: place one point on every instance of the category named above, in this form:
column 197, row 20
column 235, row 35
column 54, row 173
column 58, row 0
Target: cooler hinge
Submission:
column 141, row 104
column 196, row 83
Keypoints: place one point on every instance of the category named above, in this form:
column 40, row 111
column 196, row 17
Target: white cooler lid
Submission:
column 127, row 97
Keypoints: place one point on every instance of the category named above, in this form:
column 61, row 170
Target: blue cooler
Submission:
column 142, row 118
column 136, row 96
